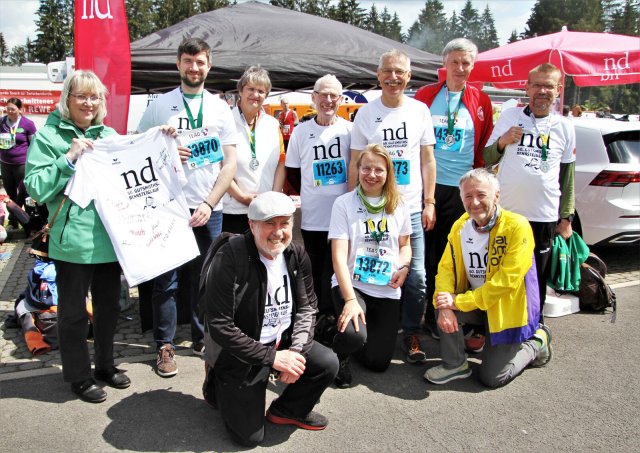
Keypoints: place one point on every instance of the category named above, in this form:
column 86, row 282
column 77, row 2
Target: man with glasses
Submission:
column 536, row 150
column 187, row 108
column 403, row 126
column 317, row 166
column 462, row 119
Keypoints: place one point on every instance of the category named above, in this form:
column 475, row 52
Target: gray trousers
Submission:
column 500, row 363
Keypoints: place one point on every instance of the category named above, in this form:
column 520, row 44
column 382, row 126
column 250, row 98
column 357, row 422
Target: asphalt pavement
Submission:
column 586, row 399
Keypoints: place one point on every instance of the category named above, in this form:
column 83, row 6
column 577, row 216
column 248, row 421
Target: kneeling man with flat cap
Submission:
column 260, row 307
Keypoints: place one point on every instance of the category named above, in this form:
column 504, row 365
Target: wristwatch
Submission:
column 569, row 217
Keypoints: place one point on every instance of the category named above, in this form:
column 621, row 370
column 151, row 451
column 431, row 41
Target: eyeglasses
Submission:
column 375, row 171
column 334, row 97
column 539, row 86
column 84, row 98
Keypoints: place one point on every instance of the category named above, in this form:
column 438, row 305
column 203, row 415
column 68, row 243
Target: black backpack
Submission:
column 208, row 260
column 595, row 294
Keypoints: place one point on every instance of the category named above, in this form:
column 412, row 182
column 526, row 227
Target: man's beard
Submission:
column 190, row 84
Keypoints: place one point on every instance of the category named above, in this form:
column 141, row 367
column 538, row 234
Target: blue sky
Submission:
column 17, row 20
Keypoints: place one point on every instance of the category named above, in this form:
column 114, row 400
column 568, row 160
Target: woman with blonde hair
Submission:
column 369, row 231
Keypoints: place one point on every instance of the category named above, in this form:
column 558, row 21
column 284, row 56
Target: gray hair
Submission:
column 255, row 75
column 482, row 175
column 397, row 54
column 328, row 79
column 460, row 45
column 87, row 82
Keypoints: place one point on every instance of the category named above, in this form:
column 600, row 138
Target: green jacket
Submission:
column 566, row 258
column 78, row 235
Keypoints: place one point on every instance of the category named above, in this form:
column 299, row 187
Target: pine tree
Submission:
column 140, row 18
column 18, row 55
column 488, row 37
column 470, row 21
column 4, row 52
column 548, row 16
column 625, row 20
column 514, row 37
column 428, row 32
column 54, row 36
column 373, row 20
column 205, row 6
column 170, row 12
column 455, row 27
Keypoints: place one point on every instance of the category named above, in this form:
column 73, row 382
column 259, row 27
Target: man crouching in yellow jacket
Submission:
column 487, row 277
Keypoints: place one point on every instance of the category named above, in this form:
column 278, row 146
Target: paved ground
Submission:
column 586, row 399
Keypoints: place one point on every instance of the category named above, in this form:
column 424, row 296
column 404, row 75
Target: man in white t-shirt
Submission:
column 317, row 166
column 205, row 123
column 404, row 127
column 259, row 308
column 536, row 151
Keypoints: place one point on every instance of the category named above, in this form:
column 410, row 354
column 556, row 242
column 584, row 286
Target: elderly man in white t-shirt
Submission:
column 404, row 127
column 317, row 165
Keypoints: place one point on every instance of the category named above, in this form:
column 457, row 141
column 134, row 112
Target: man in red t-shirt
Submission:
column 288, row 119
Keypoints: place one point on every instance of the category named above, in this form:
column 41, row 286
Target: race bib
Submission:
column 285, row 129
column 7, row 141
column 329, row 172
column 402, row 168
column 444, row 141
column 372, row 268
column 205, row 147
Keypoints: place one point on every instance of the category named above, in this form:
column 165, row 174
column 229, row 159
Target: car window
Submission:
column 623, row 147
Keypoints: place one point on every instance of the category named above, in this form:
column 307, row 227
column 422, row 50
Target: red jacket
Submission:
column 479, row 106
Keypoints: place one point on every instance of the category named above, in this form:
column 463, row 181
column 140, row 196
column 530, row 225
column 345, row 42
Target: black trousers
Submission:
column 375, row 341
column 243, row 406
column 74, row 281
column 13, row 181
column 449, row 208
column 319, row 250
column 235, row 223
column 543, row 234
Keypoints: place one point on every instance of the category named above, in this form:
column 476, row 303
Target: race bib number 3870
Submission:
column 204, row 146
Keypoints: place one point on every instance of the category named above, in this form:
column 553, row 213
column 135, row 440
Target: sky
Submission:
column 17, row 21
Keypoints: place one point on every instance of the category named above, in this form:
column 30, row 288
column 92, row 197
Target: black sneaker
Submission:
column 415, row 353
column 198, row 348
column 312, row 421
column 344, row 378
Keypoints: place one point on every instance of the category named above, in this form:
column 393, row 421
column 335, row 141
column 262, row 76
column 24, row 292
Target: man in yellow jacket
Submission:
column 487, row 276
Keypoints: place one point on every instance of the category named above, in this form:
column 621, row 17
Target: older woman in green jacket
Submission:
column 78, row 244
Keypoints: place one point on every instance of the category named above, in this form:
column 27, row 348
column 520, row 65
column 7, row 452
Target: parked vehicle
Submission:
column 607, row 181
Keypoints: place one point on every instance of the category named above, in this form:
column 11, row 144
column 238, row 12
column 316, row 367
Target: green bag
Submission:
column 566, row 258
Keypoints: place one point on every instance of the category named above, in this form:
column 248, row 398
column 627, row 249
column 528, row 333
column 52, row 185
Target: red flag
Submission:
column 101, row 44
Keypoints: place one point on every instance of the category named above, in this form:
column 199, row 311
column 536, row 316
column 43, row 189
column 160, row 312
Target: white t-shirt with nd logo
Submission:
column 527, row 185
column 475, row 248
column 136, row 184
column 279, row 304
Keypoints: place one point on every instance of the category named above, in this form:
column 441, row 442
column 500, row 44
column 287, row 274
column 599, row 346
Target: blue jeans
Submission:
column 165, row 288
column 414, row 290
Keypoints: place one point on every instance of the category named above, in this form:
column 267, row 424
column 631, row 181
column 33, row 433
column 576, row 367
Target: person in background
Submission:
column 487, row 276
column 576, row 111
column 16, row 133
column 186, row 108
column 369, row 232
column 259, row 152
column 259, row 309
column 317, row 165
column 537, row 154
column 288, row 119
column 403, row 126
column 78, row 244
column 462, row 121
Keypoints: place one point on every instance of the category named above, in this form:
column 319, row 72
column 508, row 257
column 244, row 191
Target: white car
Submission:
column 607, row 181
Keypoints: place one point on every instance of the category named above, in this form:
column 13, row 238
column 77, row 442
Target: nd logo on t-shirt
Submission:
column 142, row 182
column 278, row 304
column 329, row 166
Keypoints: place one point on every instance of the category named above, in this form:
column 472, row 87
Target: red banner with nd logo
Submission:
column 101, row 44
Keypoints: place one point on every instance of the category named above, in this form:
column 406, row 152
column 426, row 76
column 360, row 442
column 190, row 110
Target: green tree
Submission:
column 488, row 36
column 548, row 16
column 4, row 51
column 205, row 6
column 372, row 22
column 170, row 12
column 428, row 32
column 625, row 20
column 513, row 37
column 140, row 18
column 349, row 12
column 470, row 21
column 455, row 27
column 18, row 55
column 54, row 35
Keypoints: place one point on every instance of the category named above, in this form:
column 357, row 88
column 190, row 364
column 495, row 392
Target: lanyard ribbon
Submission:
column 451, row 119
column 194, row 125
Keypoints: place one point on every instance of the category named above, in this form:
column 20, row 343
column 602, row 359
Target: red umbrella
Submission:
column 592, row 59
